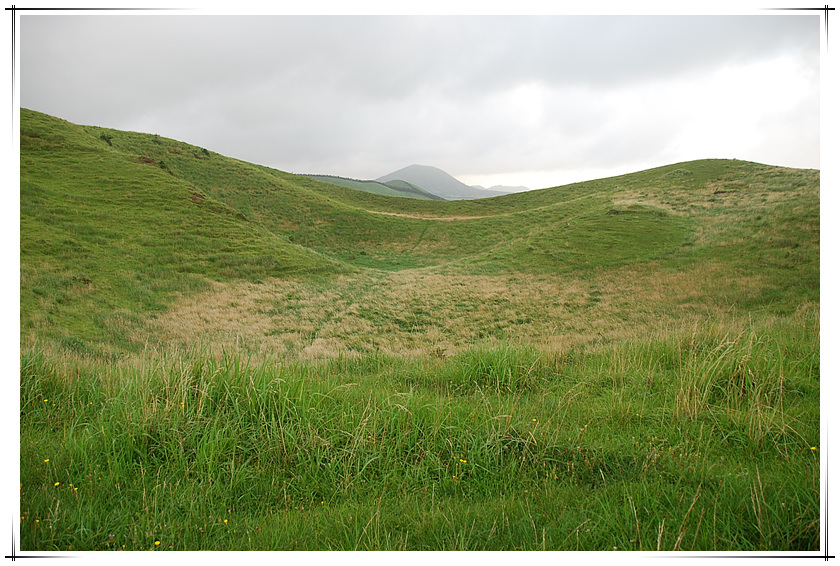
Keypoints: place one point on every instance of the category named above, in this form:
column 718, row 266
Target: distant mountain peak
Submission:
column 438, row 182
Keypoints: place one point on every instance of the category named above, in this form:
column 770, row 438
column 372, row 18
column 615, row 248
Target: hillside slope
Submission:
column 107, row 234
column 116, row 225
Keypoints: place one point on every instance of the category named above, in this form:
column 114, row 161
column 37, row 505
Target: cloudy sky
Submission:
column 517, row 100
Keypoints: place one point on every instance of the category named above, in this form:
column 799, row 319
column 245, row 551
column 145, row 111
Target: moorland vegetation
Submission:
column 216, row 355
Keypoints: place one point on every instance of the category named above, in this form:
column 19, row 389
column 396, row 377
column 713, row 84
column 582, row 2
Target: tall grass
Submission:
column 695, row 439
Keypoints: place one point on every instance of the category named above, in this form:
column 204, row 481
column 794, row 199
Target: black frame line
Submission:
column 13, row 556
column 825, row 9
column 14, row 9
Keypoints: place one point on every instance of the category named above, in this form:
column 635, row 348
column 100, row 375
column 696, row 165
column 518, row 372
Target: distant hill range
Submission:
column 420, row 182
column 396, row 188
column 439, row 183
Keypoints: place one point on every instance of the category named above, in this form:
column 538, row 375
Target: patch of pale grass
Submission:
column 422, row 312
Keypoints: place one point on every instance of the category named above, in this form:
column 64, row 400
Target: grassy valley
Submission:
column 216, row 355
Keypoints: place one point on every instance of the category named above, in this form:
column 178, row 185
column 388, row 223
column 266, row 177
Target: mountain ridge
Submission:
column 397, row 188
column 438, row 182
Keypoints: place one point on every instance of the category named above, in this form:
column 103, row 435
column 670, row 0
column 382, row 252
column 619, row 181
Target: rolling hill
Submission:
column 217, row 355
column 116, row 224
column 438, row 182
column 391, row 188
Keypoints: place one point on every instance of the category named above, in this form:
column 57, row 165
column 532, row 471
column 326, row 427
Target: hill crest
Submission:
column 397, row 188
column 438, row 182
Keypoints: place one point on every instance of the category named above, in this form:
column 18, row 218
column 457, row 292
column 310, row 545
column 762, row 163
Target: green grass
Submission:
column 104, row 233
column 216, row 355
column 696, row 440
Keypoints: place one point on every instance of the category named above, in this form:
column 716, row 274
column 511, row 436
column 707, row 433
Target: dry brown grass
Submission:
column 425, row 312
column 439, row 311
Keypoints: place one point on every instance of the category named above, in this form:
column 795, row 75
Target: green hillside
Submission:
column 108, row 233
column 117, row 223
column 216, row 355
column 406, row 187
column 114, row 224
column 391, row 188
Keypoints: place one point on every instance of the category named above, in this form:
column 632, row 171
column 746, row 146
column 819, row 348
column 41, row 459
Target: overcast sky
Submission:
column 517, row 100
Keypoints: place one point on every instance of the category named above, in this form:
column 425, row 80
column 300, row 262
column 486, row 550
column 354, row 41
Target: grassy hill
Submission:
column 391, row 188
column 110, row 231
column 216, row 355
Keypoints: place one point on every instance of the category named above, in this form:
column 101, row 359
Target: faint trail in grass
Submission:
column 420, row 239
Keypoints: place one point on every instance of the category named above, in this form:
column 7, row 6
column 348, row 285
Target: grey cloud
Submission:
column 361, row 96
